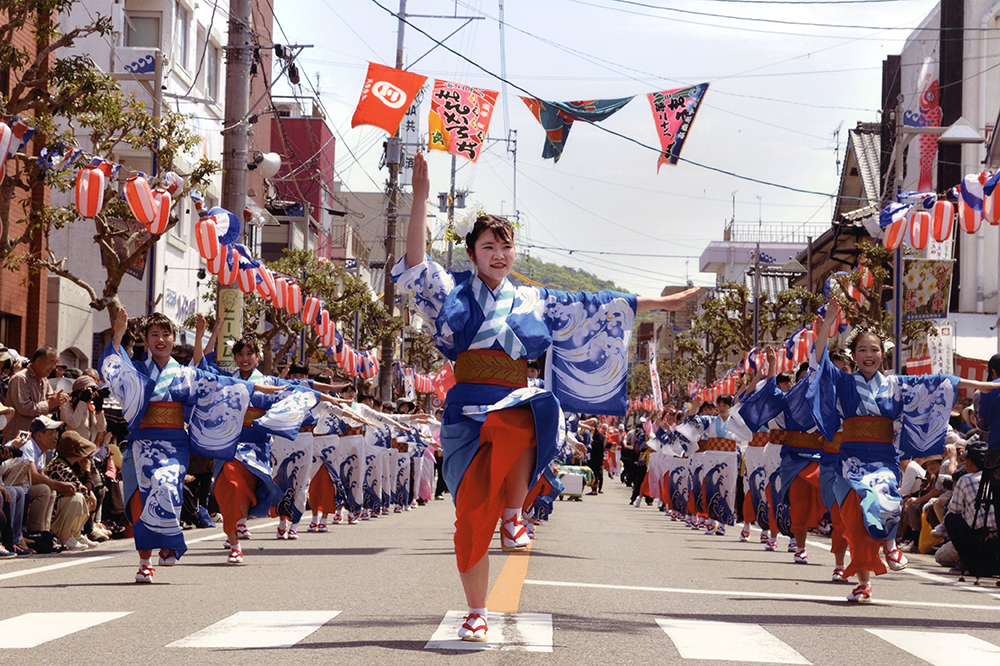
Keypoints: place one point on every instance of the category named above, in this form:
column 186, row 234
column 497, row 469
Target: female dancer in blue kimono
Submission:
column 159, row 398
column 499, row 434
column 243, row 486
column 869, row 403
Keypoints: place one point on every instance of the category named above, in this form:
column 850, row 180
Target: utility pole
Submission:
column 239, row 54
column 451, row 210
column 392, row 154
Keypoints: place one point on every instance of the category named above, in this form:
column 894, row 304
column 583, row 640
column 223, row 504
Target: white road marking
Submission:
column 101, row 558
column 774, row 596
column 942, row 649
column 529, row 632
column 252, row 629
column 728, row 641
column 952, row 582
column 32, row 629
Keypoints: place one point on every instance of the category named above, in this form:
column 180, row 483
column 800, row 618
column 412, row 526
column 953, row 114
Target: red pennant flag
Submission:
column 674, row 111
column 459, row 118
column 386, row 96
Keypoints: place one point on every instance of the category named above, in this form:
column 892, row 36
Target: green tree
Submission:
column 723, row 331
column 71, row 102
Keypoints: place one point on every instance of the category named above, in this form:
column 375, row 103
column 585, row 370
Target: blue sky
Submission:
column 778, row 94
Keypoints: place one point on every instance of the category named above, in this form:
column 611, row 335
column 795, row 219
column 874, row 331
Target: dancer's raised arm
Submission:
column 416, row 233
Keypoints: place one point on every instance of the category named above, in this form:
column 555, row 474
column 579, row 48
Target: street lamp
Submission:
column 959, row 132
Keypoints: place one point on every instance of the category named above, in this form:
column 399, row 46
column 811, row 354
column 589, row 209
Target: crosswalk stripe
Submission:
column 728, row 641
column 941, row 649
column 252, row 629
column 32, row 629
column 531, row 632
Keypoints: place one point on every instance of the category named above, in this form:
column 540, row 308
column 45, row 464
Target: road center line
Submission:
column 505, row 596
column 776, row 596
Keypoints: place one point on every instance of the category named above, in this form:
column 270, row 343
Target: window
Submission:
column 183, row 32
column 212, row 72
column 142, row 30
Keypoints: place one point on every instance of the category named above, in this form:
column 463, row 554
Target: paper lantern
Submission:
column 294, row 303
column 339, row 355
column 867, row 280
column 246, row 278
column 6, row 137
column 265, row 283
column 330, row 337
column 893, row 234
column 968, row 219
column 215, row 263
column 991, row 207
column 310, row 311
column 920, row 223
column 162, row 200
column 139, row 196
column 323, row 323
column 856, row 294
column 280, row 292
column 943, row 217
column 230, row 269
column 91, row 182
column 208, row 239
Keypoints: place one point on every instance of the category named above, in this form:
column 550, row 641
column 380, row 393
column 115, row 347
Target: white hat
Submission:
column 44, row 423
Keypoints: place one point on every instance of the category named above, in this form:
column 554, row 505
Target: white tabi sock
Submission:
column 145, row 563
column 511, row 513
column 282, row 524
column 478, row 611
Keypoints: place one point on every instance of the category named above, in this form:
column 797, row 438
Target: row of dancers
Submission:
column 820, row 452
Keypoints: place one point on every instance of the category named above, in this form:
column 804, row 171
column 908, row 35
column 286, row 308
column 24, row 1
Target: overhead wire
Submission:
column 603, row 128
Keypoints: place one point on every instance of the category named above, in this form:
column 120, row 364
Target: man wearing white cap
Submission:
column 42, row 493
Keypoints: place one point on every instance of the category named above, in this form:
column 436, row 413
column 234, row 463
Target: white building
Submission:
column 169, row 52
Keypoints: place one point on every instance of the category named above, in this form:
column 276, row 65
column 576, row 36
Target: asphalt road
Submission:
column 604, row 583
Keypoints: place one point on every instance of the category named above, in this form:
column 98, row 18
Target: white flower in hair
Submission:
column 463, row 226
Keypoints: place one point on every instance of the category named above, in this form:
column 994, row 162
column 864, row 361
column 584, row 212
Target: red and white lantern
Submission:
column 330, row 337
column 920, row 223
column 6, row 137
column 230, row 268
column 265, row 283
column 893, row 236
column 246, row 278
column 280, row 292
column 294, row 302
column 942, row 220
column 991, row 207
column 968, row 218
column 139, row 196
column 867, row 279
column 90, row 185
column 162, row 218
column 323, row 323
column 310, row 311
column 208, row 239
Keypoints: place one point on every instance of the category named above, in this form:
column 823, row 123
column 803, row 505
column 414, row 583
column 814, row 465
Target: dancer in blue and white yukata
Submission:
column 499, row 434
column 873, row 408
column 172, row 412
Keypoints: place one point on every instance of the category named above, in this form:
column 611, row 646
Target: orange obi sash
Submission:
column 491, row 366
column 169, row 415
column 719, row 444
column 868, row 429
column 776, row 436
column 252, row 413
column 760, row 439
column 307, row 428
column 834, row 446
column 804, row 440
column 354, row 430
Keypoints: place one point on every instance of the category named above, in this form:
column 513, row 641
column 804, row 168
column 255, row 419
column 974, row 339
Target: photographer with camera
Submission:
column 84, row 414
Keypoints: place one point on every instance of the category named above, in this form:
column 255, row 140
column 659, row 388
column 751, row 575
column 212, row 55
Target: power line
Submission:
column 601, row 127
column 615, row 254
column 798, row 24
